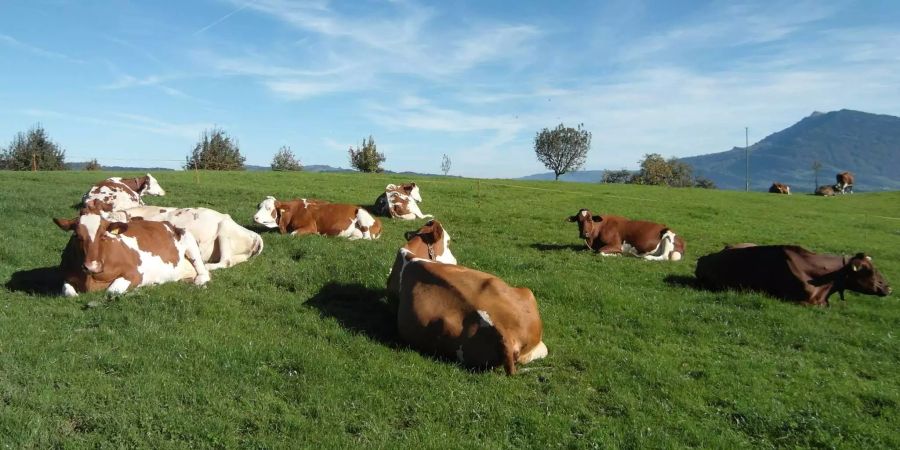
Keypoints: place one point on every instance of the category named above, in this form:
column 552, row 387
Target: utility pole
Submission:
column 747, row 157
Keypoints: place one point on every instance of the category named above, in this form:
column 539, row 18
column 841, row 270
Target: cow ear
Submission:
column 572, row 218
column 410, row 234
column 437, row 230
column 66, row 224
column 117, row 227
column 596, row 218
column 390, row 187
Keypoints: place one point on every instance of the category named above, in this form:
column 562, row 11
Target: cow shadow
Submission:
column 684, row 281
column 359, row 309
column 40, row 281
column 558, row 247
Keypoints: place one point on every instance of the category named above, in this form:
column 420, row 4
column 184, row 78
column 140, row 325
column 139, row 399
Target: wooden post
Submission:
column 33, row 163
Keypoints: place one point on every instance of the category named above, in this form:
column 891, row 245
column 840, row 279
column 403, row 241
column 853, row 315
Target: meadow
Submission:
column 297, row 347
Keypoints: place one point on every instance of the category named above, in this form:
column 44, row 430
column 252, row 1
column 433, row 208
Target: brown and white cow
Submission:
column 613, row 235
column 780, row 188
column 400, row 202
column 223, row 243
column 844, row 183
column 302, row 216
column 825, row 191
column 790, row 272
column 456, row 312
column 122, row 193
column 118, row 256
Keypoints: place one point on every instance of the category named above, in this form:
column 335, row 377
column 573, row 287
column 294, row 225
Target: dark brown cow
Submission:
column 122, row 193
column 302, row 216
column 780, row 188
column 117, row 256
column 825, row 191
column 790, row 272
column 457, row 312
column 613, row 235
column 844, row 183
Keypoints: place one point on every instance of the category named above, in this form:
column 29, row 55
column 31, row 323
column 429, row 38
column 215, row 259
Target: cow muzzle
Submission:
column 92, row 267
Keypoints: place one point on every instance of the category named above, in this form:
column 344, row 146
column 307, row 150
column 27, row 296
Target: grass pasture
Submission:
column 296, row 347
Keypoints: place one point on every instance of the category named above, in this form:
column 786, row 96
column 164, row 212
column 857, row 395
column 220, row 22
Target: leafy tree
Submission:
column 445, row 164
column 215, row 150
column 655, row 170
column 33, row 150
column 704, row 183
column 285, row 160
column 682, row 173
column 562, row 149
column 616, row 176
column 93, row 165
column 366, row 157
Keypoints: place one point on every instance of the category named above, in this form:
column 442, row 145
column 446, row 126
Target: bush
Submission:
column 215, row 151
column 366, row 157
column 93, row 165
column 285, row 160
column 33, row 150
column 617, row 176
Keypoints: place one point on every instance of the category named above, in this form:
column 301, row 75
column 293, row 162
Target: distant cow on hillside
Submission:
column 780, row 188
column 844, row 183
column 825, row 191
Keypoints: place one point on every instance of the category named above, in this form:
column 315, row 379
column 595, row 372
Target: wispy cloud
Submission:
column 128, row 121
column 12, row 42
column 221, row 19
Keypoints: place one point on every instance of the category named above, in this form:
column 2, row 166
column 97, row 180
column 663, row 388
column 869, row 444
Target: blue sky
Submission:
column 136, row 82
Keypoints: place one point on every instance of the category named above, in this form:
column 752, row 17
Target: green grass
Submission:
column 296, row 348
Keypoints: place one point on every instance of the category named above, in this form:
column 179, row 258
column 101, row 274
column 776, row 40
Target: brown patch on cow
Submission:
column 136, row 184
column 313, row 217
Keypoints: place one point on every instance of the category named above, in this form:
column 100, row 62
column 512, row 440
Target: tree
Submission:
column 215, row 150
column 445, row 164
column 563, row 149
column 616, row 176
column 93, row 165
column 704, row 183
column 816, row 165
column 33, row 150
column 366, row 157
column 285, row 160
column 655, row 170
column 682, row 173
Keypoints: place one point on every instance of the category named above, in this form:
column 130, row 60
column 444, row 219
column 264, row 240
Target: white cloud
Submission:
column 19, row 45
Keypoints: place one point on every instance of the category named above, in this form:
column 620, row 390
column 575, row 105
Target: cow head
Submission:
column 432, row 242
column 410, row 189
column 863, row 277
column 267, row 215
column 90, row 230
column 151, row 186
column 586, row 223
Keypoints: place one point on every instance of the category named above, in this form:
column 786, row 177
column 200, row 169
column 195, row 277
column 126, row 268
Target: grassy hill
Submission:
column 866, row 144
column 295, row 348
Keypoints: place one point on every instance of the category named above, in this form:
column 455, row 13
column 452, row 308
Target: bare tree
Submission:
column 563, row 149
column 816, row 166
column 445, row 164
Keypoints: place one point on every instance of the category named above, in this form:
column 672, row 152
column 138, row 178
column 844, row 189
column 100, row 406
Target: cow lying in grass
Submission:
column 118, row 256
column 780, row 188
column 457, row 312
column 116, row 194
column 223, row 243
column 790, row 273
column 400, row 202
column 302, row 216
column 614, row 235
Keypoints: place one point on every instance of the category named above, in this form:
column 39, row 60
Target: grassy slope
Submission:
column 295, row 347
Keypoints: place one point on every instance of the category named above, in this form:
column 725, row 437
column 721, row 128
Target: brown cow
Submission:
column 117, row 256
column 302, row 216
column 790, row 272
column 122, row 193
column 825, row 191
column 780, row 188
column 400, row 202
column 457, row 312
column 613, row 235
column 431, row 242
column 844, row 182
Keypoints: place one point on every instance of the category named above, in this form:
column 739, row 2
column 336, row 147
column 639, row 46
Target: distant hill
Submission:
column 583, row 176
column 81, row 165
column 866, row 144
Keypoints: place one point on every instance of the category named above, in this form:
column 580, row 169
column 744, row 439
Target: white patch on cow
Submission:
column 868, row 258
column 118, row 287
column 447, row 256
column 628, row 248
column 608, row 254
column 151, row 267
column 414, row 209
column 408, row 257
column 675, row 256
column 585, row 213
column 153, row 187
column 663, row 249
column 91, row 222
column 351, row 232
column 264, row 215
column 485, row 318
column 414, row 193
column 69, row 291
column 539, row 351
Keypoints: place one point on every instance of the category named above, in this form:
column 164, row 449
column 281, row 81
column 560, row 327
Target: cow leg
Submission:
column 610, row 250
column 225, row 253
column 193, row 254
column 69, row 291
column 119, row 286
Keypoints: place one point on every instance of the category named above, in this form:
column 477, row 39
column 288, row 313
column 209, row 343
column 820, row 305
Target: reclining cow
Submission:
column 400, row 202
column 302, row 216
column 825, row 191
column 118, row 256
column 780, row 188
column 118, row 193
column 844, row 183
column 456, row 312
column 790, row 272
column 223, row 243
column 614, row 235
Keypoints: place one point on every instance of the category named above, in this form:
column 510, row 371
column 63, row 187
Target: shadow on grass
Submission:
column 359, row 309
column 685, row 281
column 558, row 247
column 40, row 281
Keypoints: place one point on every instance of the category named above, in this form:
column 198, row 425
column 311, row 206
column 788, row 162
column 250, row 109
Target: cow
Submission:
column 223, row 243
column 302, row 216
column 780, row 188
column 790, row 272
column 122, row 193
column 613, row 235
column 455, row 312
column 118, row 256
column 825, row 191
column 400, row 202
column 844, row 183
column 431, row 242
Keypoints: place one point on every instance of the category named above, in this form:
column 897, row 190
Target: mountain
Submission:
column 866, row 144
column 81, row 165
column 583, row 176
